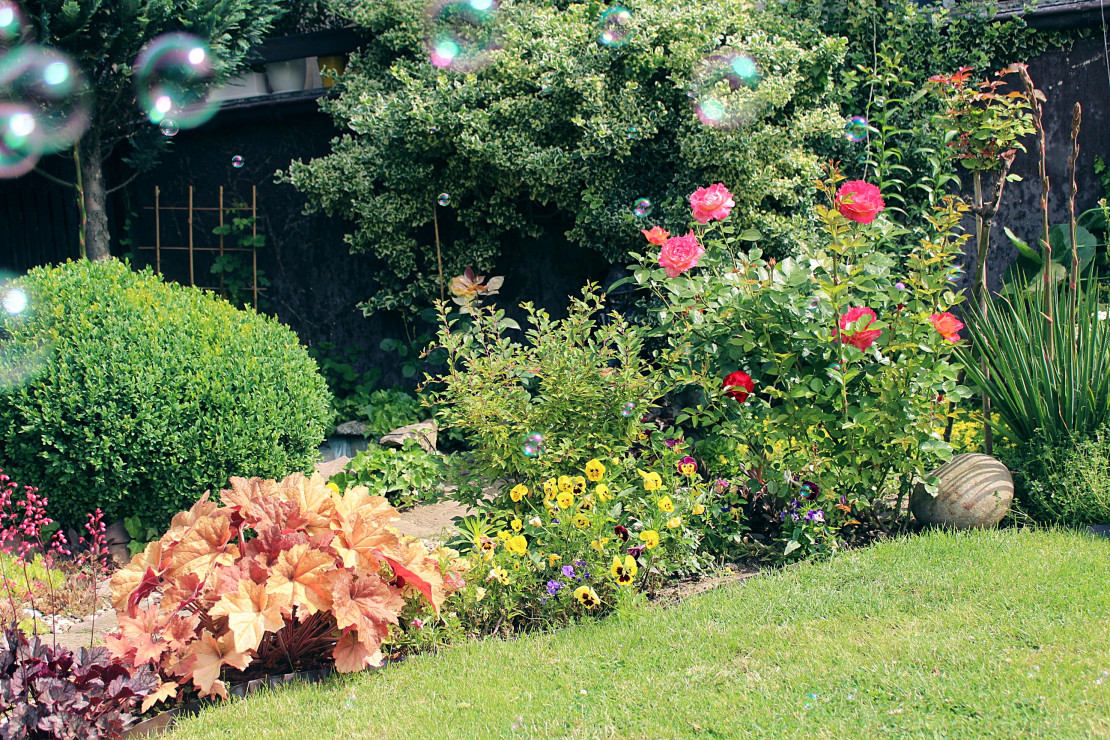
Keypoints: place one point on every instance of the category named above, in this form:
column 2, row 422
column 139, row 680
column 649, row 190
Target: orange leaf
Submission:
column 201, row 548
column 251, row 612
column 315, row 501
column 181, row 630
column 368, row 604
column 210, row 656
column 303, row 577
column 412, row 564
column 360, row 539
column 352, row 656
column 183, row 521
column 144, row 633
column 374, row 510
column 167, row 690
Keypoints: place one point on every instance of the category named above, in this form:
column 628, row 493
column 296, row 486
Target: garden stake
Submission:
column 439, row 254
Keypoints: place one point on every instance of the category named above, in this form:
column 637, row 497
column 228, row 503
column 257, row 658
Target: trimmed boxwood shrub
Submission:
column 123, row 392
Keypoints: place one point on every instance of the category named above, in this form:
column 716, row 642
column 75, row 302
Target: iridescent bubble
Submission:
column 726, row 90
column 22, row 356
column 51, row 87
column 615, row 27
column 18, row 154
column 642, row 208
column 880, row 102
column 632, row 132
column 169, row 127
column 14, row 300
column 533, row 445
column 444, row 199
column 236, row 161
column 174, row 76
column 629, row 409
column 954, row 274
column 461, row 34
column 856, row 129
column 11, row 22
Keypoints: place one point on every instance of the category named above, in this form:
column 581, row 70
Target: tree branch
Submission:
column 55, row 180
column 123, row 184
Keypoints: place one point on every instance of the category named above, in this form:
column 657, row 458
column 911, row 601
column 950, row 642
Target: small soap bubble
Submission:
column 880, row 102
column 856, row 129
column 11, row 22
column 462, row 34
column 533, row 445
column 954, row 274
column 851, row 697
column 811, row 697
column 50, row 86
column 18, row 154
column 632, row 132
column 628, row 409
column 615, row 27
column 726, row 89
column 14, row 301
column 900, row 286
column 174, row 76
column 169, row 127
column 807, row 705
column 642, row 208
column 444, row 199
column 236, row 161
column 813, row 304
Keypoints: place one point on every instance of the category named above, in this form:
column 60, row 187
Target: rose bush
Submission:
column 845, row 353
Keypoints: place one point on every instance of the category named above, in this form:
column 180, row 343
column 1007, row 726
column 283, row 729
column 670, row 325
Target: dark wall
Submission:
column 1077, row 74
column 38, row 217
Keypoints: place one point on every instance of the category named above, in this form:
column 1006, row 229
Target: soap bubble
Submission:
column 726, row 90
column 629, row 409
column 461, row 34
column 169, row 127
column 444, row 199
column 11, row 22
column 533, row 445
column 856, row 129
column 51, row 87
column 14, row 300
column 632, row 132
column 615, row 27
column 236, row 161
column 642, row 208
column 21, row 356
column 954, row 274
column 18, row 155
column 174, row 78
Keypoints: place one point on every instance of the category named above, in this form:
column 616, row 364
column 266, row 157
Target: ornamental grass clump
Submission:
column 820, row 377
column 277, row 577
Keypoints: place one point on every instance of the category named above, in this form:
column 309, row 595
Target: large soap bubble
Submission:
column 174, row 79
column 461, row 34
column 726, row 89
column 50, row 86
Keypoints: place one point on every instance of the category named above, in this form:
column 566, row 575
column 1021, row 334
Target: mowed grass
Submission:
column 998, row 634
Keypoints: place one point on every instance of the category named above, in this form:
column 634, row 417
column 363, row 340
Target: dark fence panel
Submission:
column 38, row 218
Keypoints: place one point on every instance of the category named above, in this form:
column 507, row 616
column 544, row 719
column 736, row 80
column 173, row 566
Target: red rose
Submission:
column 862, row 337
column 859, row 201
column 738, row 385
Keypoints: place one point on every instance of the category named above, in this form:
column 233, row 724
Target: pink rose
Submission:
column 711, row 203
column 863, row 337
column 680, row 253
column 859, row 201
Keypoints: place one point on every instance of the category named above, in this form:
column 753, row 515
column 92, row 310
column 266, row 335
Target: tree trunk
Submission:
column 92, row 197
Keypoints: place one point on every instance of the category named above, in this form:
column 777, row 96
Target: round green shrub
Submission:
column 1063, row 484
column 123, row 392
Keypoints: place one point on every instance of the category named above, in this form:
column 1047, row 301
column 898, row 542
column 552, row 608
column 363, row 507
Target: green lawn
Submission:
column 995, row 634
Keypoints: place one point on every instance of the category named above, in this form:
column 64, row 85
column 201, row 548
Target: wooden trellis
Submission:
column 192, row 247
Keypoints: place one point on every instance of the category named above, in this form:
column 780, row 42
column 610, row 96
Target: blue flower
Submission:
column 568, row 571
column 554, row 586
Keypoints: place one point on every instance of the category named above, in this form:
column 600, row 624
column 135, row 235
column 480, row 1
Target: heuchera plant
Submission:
column 824, row 370
column 282, row 576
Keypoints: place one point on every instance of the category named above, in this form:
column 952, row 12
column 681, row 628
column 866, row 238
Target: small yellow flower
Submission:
column 334, row 487
column 550, row 488
column 599, row 545
column 487, row 545
column 553, row 558
column 519, row 491
column 586, row 505
column 580, row 521
column 479, row 593
column 595, row 471
column 652, row 481
column 516, row 524
column 602, row 492
column 624, row 572
column 698, row 510
column 650, row 538
column 565, row 483
column 723, row 459
column 578, row 485
column 504, row 534
column 586, row 596
column 666, row 504
column 517, row 545
column 498, row 574
column 674, row 522
column 565, row 500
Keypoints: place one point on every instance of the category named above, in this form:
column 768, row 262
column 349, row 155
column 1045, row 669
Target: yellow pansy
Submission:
column 698, row 510
column 565, row 483
column 479, row 593
column 650, row 538
column 587, row 504
column 666, row 504
column 580, row 521
column 550, row 488
column 578, row 485
column 498, row 574
column 599, row 545
column 586, row 596
column 674, row 522
column 624, row 571
column 552, row 559
column 519, row 491
column 595, row 471
column 516, row 524
column 517, row 545
column 565, row 499
column 602, row 492
column 334, row 487
column 487, row 545
column 504, row 534
column 652, row 481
